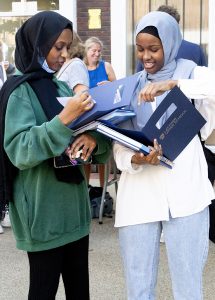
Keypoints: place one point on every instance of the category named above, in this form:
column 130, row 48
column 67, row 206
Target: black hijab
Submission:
column 34, row 40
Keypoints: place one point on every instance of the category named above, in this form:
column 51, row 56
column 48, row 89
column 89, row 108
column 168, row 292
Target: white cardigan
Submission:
column 150, row 193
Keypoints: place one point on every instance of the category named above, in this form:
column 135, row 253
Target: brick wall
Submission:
column 104, row 33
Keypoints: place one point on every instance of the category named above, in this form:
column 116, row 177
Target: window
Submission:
column 48, row 4
column 194, row 26
column 8, row 29
column 13, row 14
column 10, row 5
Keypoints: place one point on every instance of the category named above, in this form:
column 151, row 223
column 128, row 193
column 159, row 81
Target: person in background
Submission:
column 3, row 66
column 10, row 70
column 151, row 197
column 4, row 215
column 74, row 71
column 2, row 79
column 1, row 76
column 49, row 207
column 8, row 67
column 187, row 49
column 100, row 72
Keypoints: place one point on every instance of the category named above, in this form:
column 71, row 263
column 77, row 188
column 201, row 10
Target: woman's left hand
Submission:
column 152, row 158
column 86, row 143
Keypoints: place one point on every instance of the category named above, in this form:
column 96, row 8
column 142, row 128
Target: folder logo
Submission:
column 118, row 94
column 162, row 136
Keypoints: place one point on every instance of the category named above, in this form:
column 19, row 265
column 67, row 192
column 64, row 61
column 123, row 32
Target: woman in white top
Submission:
column 151, row 197
column 74, row 71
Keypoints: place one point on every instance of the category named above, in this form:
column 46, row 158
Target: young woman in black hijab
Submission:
column 49, row 207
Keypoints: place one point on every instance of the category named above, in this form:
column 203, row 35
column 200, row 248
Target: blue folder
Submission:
column 108, row 97
column 130, row 143
column 179, row 129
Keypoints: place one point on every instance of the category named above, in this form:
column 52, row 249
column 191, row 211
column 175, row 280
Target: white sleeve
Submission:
column 202, row 86
column 122, row 156
column 75, row 73
column 202, row 89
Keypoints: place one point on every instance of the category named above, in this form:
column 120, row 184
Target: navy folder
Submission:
column 108, row 97
column 129, row 142
column 178, row 130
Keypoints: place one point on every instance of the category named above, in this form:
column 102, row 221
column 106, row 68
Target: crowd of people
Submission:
column 49, row 207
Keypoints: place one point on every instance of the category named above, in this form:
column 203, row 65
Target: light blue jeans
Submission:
column 186, row 242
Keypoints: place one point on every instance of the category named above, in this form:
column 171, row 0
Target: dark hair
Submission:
column 151, row 30
column 172, row 11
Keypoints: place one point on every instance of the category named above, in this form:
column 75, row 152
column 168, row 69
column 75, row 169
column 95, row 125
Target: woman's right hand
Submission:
column 151, row 90
column 76, row 106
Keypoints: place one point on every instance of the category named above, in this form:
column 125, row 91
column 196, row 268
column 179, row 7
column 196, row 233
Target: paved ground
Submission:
column 106, row 276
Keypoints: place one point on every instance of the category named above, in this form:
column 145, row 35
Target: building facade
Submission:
column 114, row 23
column 94, row 20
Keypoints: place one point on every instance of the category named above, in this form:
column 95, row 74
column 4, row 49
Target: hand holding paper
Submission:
column 75, row 107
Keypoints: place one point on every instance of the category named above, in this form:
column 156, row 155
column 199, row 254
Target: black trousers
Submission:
column 70, row 261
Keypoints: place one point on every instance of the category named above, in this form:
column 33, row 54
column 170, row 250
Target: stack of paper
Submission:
column 130, row 143
column 115, row 117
